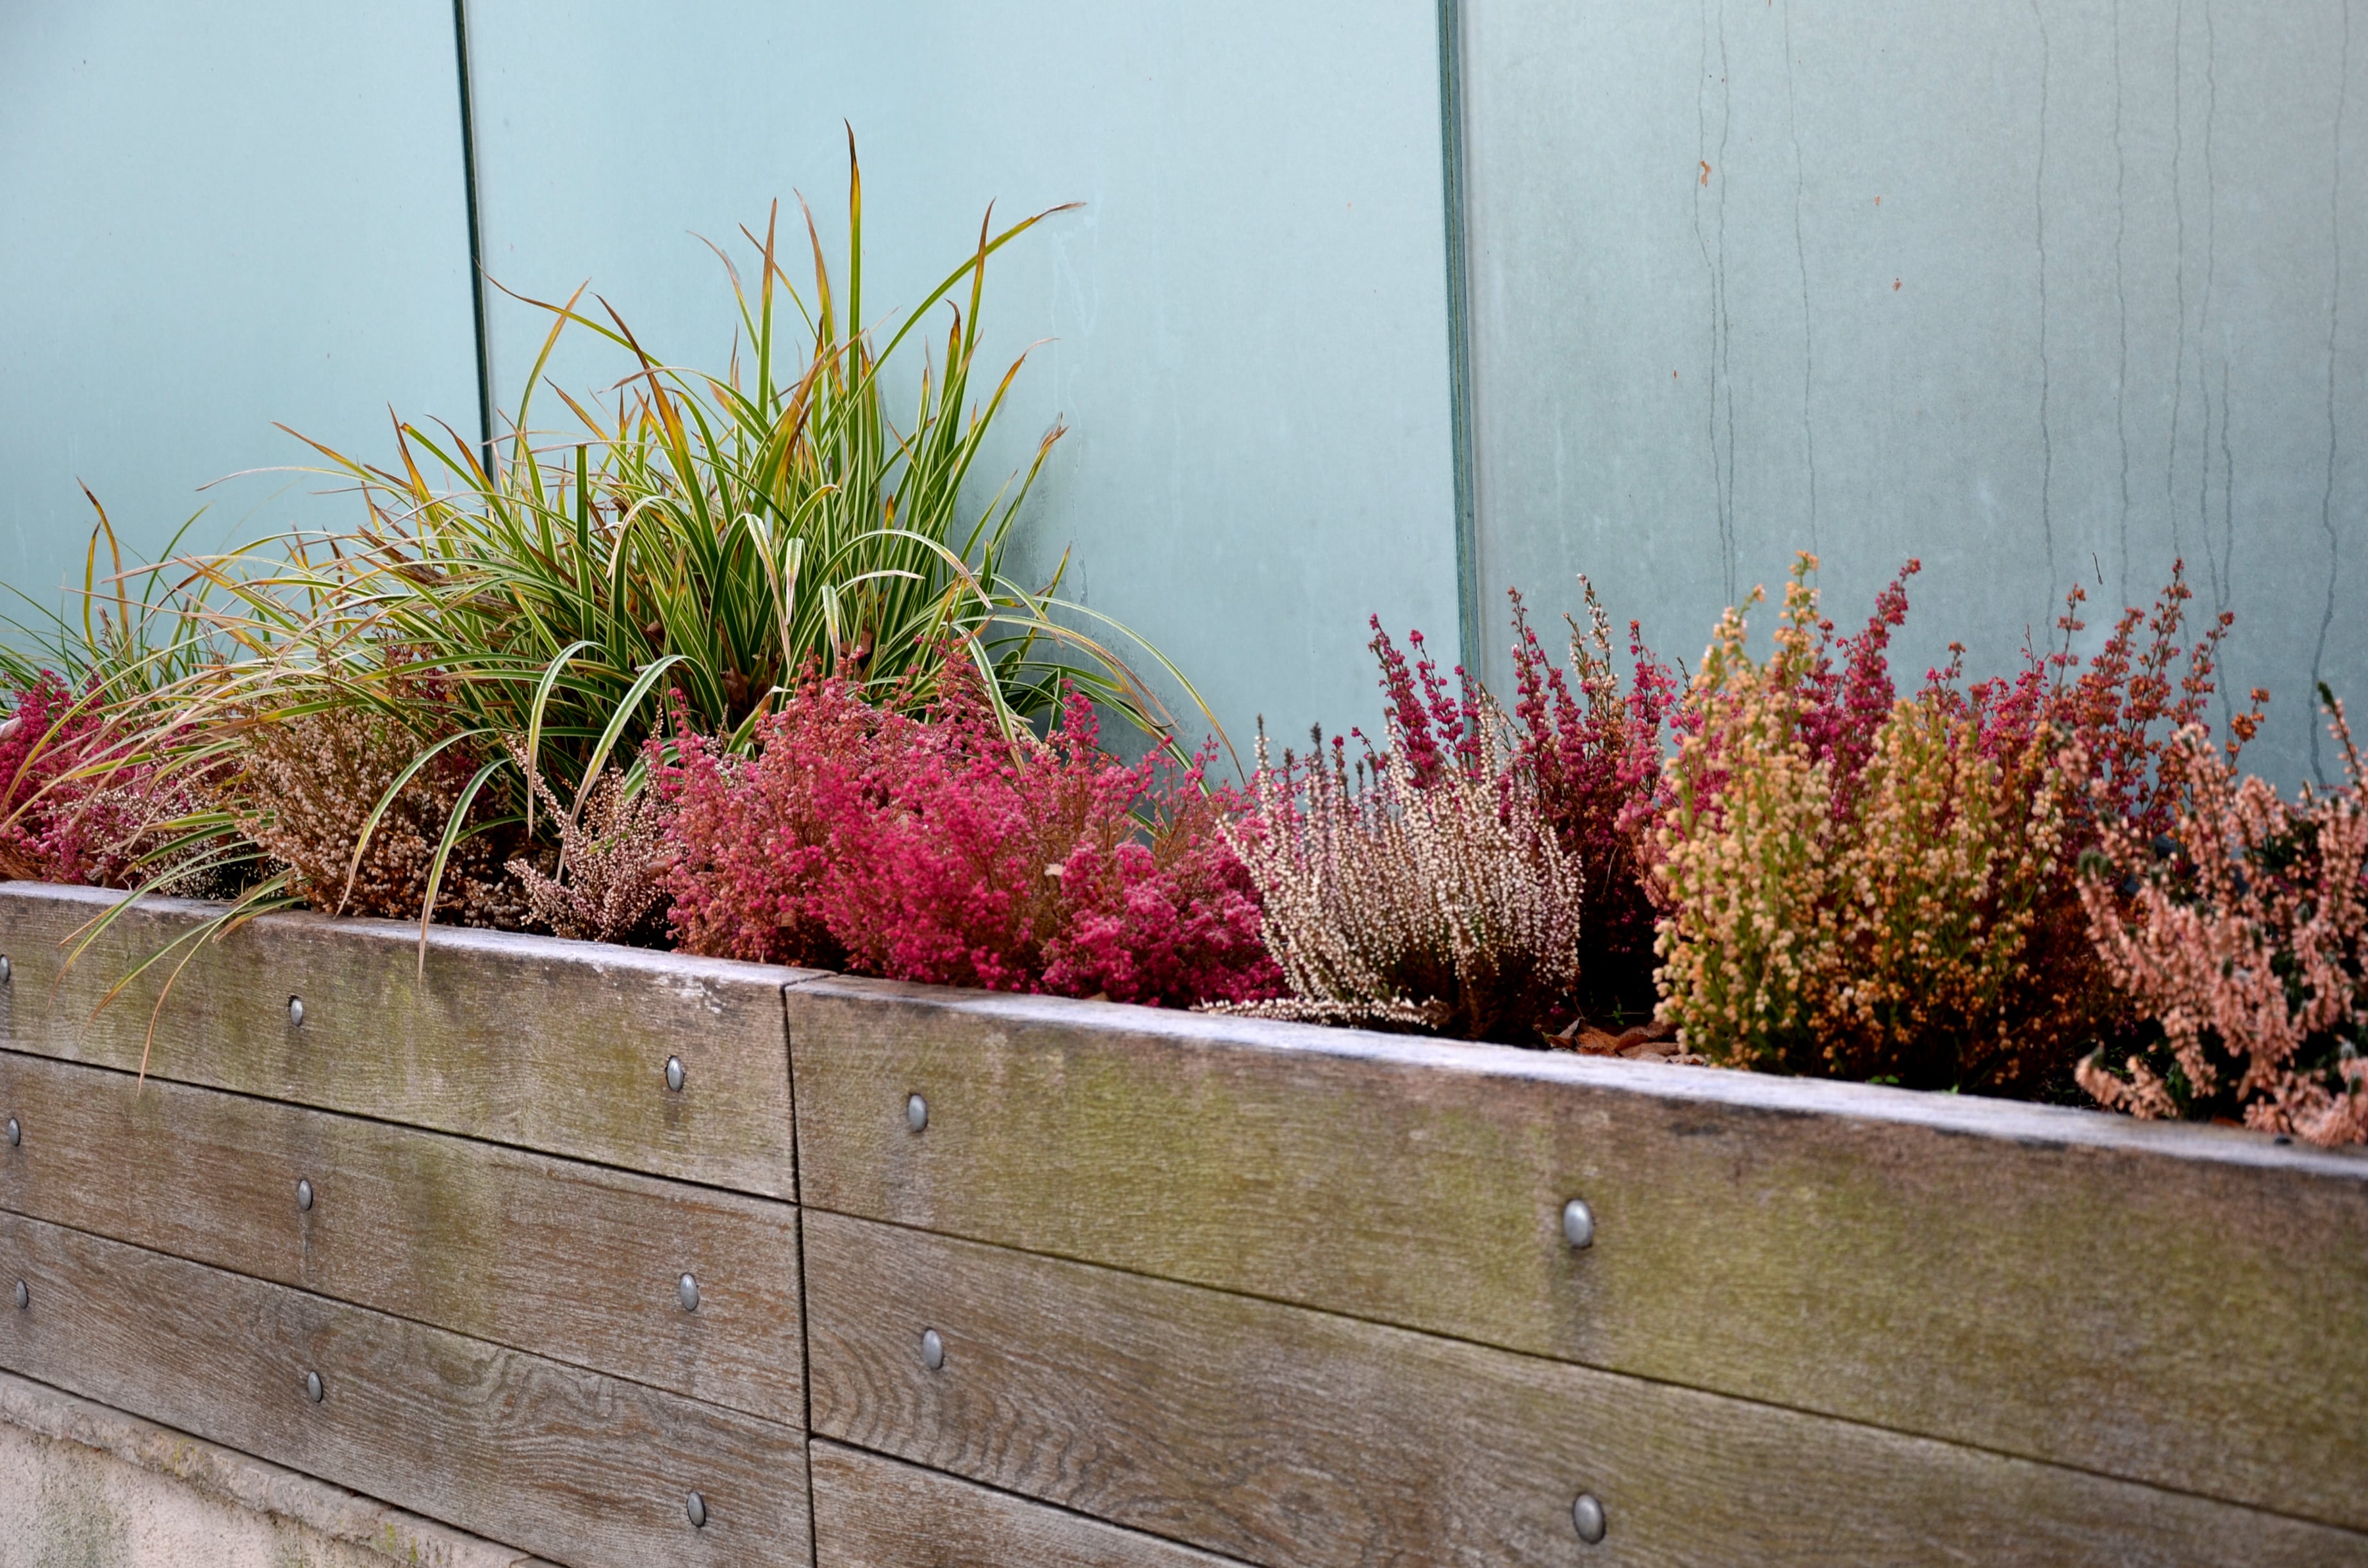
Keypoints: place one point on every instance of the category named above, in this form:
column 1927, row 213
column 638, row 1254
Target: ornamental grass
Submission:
column 439, row 691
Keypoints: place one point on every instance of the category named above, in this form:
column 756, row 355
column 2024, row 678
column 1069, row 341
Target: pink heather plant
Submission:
column 76, row 805
column 936, row 849
column 2246, row 936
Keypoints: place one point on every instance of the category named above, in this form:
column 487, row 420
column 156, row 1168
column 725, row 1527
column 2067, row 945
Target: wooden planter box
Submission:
column 1206, row 1291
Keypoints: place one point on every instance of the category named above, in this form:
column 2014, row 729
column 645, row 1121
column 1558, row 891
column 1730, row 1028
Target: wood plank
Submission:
column 872, row 1512
column 1285, row 1435
column 583, row 1469
column 571, row 1261
column 2158, row 1303
column 528, row 1040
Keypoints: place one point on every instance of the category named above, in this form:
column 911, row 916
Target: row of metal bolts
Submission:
column 1577, row 1229
column 315, row 1389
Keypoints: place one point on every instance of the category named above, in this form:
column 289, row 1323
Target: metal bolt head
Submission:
column 916, row 1112
column 314, row 1388
column 1588, row 1515
column 24, row 1295
column 674, row 1073
column 933, row 1350
column 695, row 1508
column 304, row 1196
column 7, row 970
column 16, row 1133
column 296, row 1009
column 1578, row 1223
column 688, row 1290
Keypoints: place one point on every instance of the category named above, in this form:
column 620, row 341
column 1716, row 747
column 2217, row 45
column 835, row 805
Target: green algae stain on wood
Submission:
column 1280, row 1433
column 573, row 1261
column 525, row 1040
column 2162, row 1304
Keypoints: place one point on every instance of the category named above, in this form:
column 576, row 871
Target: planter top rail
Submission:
column 655, row 1062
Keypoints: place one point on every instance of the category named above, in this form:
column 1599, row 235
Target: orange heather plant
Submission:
column 1858, row 921
column 1860, row 885
column 2244, row 932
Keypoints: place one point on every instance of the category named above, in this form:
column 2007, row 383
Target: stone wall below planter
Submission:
column 86, row 1486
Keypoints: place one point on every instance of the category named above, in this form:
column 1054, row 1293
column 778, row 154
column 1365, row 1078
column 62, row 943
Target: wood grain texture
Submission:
column 578, row 1263
column 872, row 1512
column 2165, row 1303
column 582, row 1469
column 527, row 1041
column 1288, row 1436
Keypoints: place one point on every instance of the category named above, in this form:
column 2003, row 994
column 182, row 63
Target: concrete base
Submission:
column 83, row 1485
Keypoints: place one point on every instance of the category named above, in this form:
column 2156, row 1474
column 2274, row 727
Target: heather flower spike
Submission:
column 2245, row 936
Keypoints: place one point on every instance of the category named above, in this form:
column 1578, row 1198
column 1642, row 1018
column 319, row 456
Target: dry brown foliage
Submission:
column 611, row 880
column 306, row 790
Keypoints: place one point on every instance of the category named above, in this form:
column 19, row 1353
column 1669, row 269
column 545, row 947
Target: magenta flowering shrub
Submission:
column 79, row 802
column 933, row 848
column 1595, row 759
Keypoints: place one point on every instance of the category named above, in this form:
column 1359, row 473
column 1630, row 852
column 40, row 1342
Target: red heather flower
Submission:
column 936, row 849
column 1848, row 706
column 1596, row 760
column 1435, row 731
column 1592, row 758
column 2118, row 716
column 75, row 805
column 42, row 836
column 748, row 838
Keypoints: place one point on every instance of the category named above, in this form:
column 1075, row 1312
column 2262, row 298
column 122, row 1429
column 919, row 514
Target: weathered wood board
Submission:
column 2166, row 1303
column 1302, row 1440
column 528, row 1040
column 578, row 1263
column 872, row 1512
column 585, row 1470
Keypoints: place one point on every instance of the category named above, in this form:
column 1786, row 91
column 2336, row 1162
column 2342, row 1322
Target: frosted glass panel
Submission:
column 1243, row 329
column 213, row 218
column 2040, row 292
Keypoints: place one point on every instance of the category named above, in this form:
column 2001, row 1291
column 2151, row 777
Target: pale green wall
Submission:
column 2130, row 317
column 1245, row 327
column 2045, row 292
column 211, row 218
